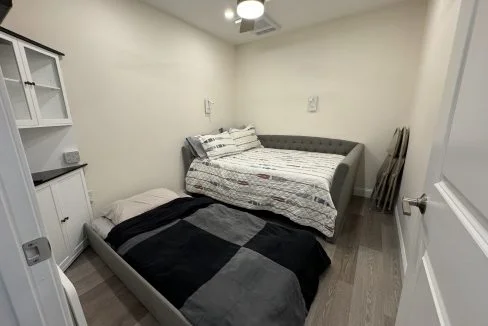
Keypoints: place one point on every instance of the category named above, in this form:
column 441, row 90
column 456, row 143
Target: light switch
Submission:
column 313, row 104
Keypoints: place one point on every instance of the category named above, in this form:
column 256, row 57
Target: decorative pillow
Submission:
column 125, row 209
column 196, row 146
column 218, row 145
column 246, row 138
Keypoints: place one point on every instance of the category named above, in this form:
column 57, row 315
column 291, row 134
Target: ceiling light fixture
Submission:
column 250, row 9
column 229, row 14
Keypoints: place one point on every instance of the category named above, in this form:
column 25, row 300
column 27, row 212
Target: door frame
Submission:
column 35, row 292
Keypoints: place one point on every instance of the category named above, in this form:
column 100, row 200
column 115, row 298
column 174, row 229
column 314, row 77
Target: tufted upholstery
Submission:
column 344, row 176
column 308, row 144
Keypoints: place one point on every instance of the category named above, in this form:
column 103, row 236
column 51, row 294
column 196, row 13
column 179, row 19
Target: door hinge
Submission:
column 37, row 250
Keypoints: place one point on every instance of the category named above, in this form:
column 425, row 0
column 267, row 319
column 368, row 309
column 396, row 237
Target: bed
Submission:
column 214, row 264
column 308, row 180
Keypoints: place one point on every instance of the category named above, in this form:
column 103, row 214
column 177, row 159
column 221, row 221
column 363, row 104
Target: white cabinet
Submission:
column 65, row 207
column 34, row 83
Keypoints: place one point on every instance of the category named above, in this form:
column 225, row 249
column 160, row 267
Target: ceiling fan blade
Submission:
column 247, row 25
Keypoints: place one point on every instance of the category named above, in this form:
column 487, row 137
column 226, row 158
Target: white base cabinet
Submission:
column 65, row 208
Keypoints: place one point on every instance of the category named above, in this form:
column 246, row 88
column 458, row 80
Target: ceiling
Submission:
column 289, row 14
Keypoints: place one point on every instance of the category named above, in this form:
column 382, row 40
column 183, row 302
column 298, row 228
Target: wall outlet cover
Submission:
column 71, row 157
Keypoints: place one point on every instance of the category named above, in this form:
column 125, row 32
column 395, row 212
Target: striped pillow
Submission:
column 218, row 145
column 246, row 138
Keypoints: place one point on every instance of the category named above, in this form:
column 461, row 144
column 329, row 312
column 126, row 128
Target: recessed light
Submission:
column 229, row 14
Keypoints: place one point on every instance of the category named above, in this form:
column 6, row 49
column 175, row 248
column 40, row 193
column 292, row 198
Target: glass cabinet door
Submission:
column 16, row 82
column 42, row 69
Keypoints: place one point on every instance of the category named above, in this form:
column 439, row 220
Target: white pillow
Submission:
column 246, row 138
column 124, row 209
column 218, row 145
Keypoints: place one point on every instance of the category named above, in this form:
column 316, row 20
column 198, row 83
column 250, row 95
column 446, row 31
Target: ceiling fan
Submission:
column 249, row 11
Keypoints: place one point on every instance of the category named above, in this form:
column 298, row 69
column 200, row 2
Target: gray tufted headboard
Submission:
column 308, row 144
column 344, row 177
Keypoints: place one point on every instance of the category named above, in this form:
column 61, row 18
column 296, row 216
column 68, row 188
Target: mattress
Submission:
column 292, row 183
column 102, row 226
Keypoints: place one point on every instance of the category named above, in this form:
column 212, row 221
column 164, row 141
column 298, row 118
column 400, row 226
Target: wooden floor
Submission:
column 362, row 287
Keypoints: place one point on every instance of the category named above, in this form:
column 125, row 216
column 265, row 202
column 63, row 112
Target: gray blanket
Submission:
column 222, row 266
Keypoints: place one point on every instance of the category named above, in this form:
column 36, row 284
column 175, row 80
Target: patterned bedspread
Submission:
column 295, row 184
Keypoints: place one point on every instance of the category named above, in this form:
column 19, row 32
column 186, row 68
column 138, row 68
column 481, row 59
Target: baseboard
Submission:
column 402, row 243
column 363, row 192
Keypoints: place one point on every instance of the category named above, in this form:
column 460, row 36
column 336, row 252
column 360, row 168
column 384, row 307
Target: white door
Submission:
column 70, row 195
column 29, row 295
column 448, row 284
column 52, row 221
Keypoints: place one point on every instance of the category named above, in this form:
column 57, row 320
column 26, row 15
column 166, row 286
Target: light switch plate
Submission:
column 71, row 157
column 313, row 104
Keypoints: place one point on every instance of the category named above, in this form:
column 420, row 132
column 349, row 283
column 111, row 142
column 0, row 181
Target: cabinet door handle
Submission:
column 64, row 219
column 27, row 83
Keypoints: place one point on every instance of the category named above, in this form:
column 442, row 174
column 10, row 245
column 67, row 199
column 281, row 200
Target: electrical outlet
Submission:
column 71, row 157
column 313, row 104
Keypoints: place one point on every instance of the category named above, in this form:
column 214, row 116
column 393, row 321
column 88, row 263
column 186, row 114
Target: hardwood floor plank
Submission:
column 389, row 321
column 371, row 230
column 367, row 297
column 345, row 255
column 392, row 279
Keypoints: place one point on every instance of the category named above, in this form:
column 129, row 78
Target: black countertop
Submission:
column 45, row 176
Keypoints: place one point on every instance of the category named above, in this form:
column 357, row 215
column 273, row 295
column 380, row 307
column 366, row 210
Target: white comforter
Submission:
column 295, row 184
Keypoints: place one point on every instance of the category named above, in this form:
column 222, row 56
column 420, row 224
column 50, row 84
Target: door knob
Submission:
column 420, row 202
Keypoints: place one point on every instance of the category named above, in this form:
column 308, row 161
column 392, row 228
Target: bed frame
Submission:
column 343, row 183
column 344, row 176
column 164, row 312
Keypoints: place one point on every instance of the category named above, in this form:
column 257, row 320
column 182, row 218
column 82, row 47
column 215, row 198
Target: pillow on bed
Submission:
column 124, row 209
column 219, row 145
column 196, row 146
column 246, row 138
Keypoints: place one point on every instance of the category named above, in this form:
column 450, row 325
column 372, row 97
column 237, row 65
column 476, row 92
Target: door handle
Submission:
column 36, row 251
column 420, row 202
column 64, row 219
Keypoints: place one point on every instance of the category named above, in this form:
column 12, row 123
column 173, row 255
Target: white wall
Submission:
column 44, row 147
column 363, row 68
column 439, row 37
column 136, row 80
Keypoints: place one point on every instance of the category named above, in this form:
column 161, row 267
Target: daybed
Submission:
column 196, row 261
column 343, row 177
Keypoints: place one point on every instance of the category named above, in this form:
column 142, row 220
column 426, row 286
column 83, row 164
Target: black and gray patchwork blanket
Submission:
column 222, row 266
